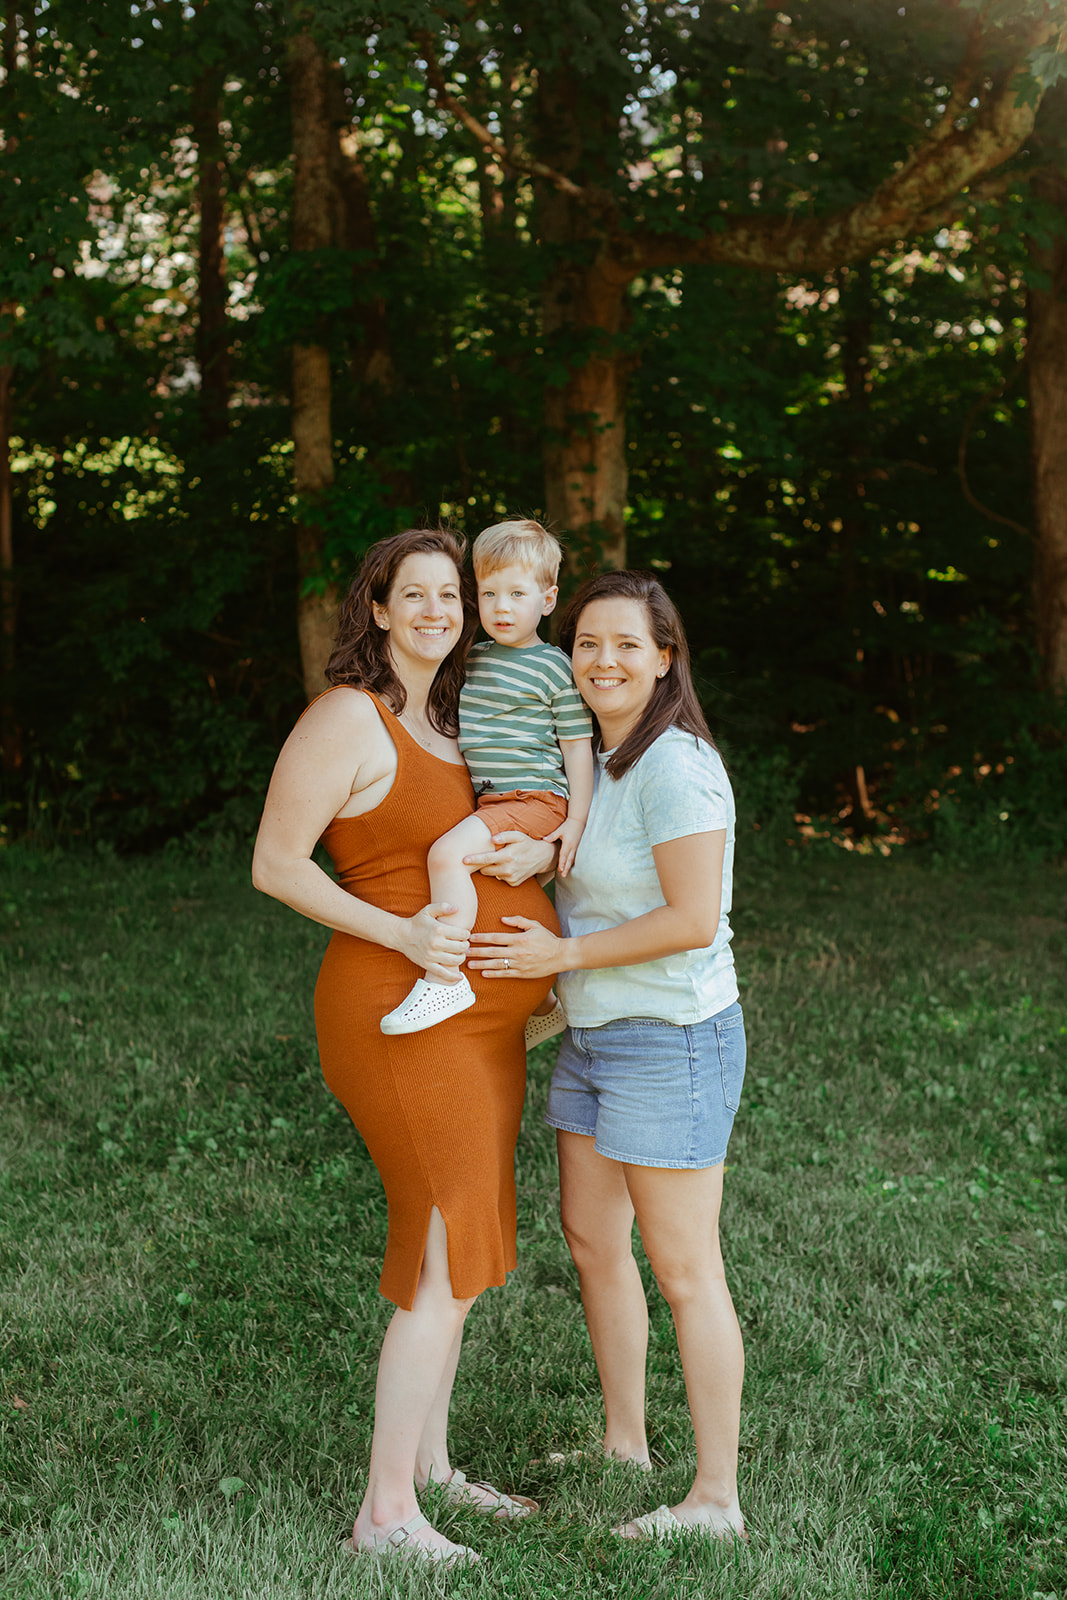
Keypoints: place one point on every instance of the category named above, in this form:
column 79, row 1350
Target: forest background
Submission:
column 771, row 301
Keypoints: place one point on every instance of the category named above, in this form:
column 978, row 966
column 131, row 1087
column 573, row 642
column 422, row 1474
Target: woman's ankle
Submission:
column 714, row 1500
column 431, row 1469
column 384, row 1509
column 627, row 1447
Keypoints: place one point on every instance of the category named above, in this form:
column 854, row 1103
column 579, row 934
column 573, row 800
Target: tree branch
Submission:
column 952, row 210
column 961, row 457
column 535, row 169
column 960, row 97
column 932, row 175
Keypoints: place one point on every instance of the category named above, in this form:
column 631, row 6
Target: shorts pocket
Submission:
column 732, row 1054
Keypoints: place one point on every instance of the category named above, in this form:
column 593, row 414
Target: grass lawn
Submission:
column 191, row 1232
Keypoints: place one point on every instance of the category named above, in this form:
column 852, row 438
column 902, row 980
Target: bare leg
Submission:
column 450, row 879
column 678, row 1216
column 432, row 1461
column 420, row 1347
column 431, row 1458
column 598, row 1220
column 432, row 1000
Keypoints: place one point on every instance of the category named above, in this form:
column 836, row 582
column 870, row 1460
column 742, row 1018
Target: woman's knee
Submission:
column 684, row 1282
column 594, row 1251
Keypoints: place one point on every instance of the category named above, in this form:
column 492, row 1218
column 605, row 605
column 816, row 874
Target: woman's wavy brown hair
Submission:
column 361, row 656
column 674, row 703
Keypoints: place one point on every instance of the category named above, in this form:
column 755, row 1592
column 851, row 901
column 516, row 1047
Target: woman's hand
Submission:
column 531, row 952
column 437, row 946
column 515, row 858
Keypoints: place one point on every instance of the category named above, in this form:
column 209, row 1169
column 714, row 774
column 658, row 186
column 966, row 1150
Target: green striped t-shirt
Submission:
column 514, row 708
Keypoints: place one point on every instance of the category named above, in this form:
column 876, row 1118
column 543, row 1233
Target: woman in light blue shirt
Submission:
column 651, row 1066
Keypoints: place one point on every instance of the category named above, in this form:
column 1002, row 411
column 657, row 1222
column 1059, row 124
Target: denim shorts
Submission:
column 652, row 1093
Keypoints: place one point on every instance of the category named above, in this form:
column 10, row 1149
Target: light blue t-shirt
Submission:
column 678, row 787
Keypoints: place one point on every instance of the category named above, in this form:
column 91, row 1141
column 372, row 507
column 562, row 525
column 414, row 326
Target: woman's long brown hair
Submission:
column 361, row 656
column 674, row 703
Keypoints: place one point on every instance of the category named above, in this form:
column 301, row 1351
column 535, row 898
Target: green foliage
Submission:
column 794, row 443
column 173, row 588
column 353, row 514
column 306, row 295
column 1013, row 810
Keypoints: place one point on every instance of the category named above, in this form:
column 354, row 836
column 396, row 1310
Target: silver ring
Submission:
column 507, row 964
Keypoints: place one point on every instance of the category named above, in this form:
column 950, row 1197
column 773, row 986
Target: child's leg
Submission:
column 450, row 880
column 431, row 1001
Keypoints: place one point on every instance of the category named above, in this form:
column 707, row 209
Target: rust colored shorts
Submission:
column 535, row 812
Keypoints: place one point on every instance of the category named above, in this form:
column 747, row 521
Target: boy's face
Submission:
column 511, row 603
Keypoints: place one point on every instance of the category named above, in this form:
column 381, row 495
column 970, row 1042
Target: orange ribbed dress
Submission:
column 439, row 1110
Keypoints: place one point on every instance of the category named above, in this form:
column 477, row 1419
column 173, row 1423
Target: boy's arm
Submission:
column 578, row 765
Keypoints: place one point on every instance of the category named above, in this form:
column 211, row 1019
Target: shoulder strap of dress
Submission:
column 380, row 703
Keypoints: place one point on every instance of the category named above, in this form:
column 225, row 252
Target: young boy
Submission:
column 526, row 736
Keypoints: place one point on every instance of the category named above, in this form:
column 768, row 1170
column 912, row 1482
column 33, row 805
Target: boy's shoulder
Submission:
column 549, row 654
column 531, row 655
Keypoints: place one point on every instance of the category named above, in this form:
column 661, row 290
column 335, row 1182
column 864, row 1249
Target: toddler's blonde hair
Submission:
column 519, row 543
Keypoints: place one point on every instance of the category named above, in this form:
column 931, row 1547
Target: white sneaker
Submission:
column 427, row 1004
column 538, row 1029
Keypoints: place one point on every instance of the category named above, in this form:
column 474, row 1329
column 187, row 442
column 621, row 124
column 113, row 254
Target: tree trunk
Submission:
column 355, row 229
column 10, row 733
column 584, row 313
column 856, row 296
column 312, row 211
column 1046, row 359
column 578, row 126
column 212, row 332
column 585, row 416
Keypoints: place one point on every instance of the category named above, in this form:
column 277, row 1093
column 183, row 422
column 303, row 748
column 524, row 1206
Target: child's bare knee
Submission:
column 445, row 854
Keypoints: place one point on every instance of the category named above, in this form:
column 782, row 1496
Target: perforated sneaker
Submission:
column 427, row 1004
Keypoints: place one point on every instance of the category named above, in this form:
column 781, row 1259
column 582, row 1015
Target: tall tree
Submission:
column 50, row 131
column 670, row 184
column 313, row 231
column 1046, row 361
column 212, row 331
column 10, row 732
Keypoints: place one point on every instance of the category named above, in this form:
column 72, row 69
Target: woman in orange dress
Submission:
column 373, row 769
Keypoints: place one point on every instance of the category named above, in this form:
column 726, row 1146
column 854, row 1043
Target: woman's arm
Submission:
column 516, row 857
column 333, row 753
column 690, row 876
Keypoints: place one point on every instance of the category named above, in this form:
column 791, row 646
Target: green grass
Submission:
column 190, row 1237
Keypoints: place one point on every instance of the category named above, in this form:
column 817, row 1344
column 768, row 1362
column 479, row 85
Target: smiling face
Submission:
column 616, row 663
column 423, row 614
column 511, row 603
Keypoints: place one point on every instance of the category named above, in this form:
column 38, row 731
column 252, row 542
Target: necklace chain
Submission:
column 418, row 737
